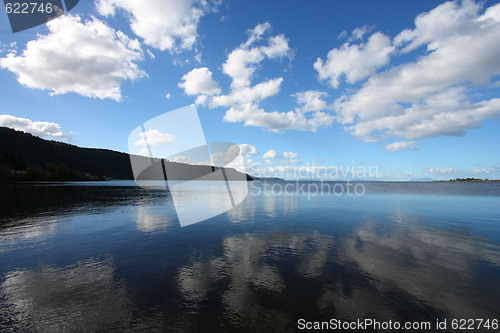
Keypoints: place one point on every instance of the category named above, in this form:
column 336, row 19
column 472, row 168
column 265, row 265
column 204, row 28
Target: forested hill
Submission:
column 35, row 153
column 22, row 153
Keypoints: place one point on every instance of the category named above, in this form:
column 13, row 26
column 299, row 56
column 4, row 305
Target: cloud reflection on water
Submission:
column 152, row 218
column 79, row 297
column 392, row 271
column 440, row 268
column 29, row 230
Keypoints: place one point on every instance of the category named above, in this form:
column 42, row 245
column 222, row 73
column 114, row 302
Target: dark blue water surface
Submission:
column 112, row 257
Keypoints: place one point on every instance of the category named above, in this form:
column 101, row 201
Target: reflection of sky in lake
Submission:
column 103, row 257
column 80, row 297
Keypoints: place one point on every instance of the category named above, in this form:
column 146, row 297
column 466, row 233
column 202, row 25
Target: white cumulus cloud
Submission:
column 271, row 154
column 154, row 137
column 248, row 150
column 199, row 82
column 88, row 58
column 42, row 129
column 437, row 94
column 256, row 93
column 290, row 155
column 355, row 62
column 251, row 114
column 244, row 99
column 433, row 27
column 242, row 62
column 311, row 100
column 163, row 24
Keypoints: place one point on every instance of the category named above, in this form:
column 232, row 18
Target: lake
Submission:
column 110, row 256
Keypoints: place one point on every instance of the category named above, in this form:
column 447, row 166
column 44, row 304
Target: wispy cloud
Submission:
column 400, row 145
column 441, row 170
column 42, row 129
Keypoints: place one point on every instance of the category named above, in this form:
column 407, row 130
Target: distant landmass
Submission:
column 24, row 156
column 454, row 180
column 473, row 180
column 269, row 178
column 425, row 179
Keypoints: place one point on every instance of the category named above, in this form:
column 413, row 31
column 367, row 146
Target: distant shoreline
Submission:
column 258, row 179
column 472, row 180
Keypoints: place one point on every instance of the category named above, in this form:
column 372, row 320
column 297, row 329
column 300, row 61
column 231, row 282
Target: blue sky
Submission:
column 409, row 88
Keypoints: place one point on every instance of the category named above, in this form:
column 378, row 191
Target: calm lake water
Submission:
column 112, row 257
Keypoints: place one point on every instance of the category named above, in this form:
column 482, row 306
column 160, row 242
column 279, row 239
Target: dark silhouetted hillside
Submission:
column 35, row 153
column 27, row 157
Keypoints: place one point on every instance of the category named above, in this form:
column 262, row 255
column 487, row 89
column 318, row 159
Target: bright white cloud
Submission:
column 277, row 48
column 437, row 115
column 311, row 100
column 432, row 96
column 39, row 128
column 271, row 154
column 441, row 170
column 355, row 62
column 199, row 81
column 251, row 114
column 433, row 27
column 168, row 96
column 242, row 61
column 154, row 137
column 400, row 145
column 240, row 65
column 256, row 93
column 90, row 59
column 290, row 154
column 163, row 24
column 248, row 150
column 244, row 99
